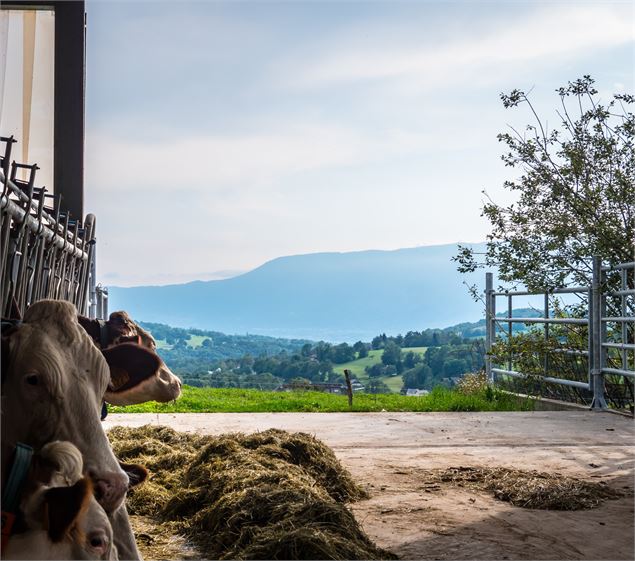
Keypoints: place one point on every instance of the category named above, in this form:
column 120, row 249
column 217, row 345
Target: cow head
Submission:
column 68, row 523
column 138, row 372
column 54, row 380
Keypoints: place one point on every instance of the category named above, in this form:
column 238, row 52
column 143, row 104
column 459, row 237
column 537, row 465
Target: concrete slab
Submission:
column 388, row 453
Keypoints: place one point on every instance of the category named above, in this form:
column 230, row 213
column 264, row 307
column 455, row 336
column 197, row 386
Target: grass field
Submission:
column 358, row 367
column 194, row 341
column 213, row 400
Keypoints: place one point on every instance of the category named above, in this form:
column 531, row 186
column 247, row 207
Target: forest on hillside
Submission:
column 212, row 359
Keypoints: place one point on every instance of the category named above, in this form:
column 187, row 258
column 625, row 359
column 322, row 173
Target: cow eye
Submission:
column 97, row 541
column 33, row 379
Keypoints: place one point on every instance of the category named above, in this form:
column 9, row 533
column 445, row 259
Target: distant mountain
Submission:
column 471, row 330
column 330, row 296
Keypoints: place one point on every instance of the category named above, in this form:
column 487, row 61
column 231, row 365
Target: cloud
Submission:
column 204, row 162
column 547, row 35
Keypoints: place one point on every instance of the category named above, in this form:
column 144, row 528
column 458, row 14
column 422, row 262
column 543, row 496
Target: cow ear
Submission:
column 64, row 505
column 119, row 318
column 137, row 474
column 130, row 364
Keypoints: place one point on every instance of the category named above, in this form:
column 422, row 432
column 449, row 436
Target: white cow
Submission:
column 53, row 382
column 63, row 520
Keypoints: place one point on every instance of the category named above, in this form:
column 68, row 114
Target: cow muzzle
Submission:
column 169, row 385
column 110, row 489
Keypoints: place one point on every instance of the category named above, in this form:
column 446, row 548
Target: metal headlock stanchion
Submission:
column 45, row 253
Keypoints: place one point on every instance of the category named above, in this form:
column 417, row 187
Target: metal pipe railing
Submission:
column 600, row 340
column 547, row 321
column 550, row 379
column 568, row 290
column 42, row 255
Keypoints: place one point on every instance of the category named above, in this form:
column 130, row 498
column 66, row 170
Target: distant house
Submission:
column 357, row 386
column 416, row 393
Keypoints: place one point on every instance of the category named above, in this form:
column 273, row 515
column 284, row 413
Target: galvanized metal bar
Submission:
column 619, row 319
column 4, row 248
column 624, row 346
column 562, row 381
column 572, row 321
column 102, row 302
column 509, row 336
column 574, row 352
column 39, row 254
column 489, row 321
column 591, row 338
column 599, row 401
column 628, row 373
column 629, row 265
column 89, row 240
column 546, row 333
column 623, row 312
column 23, row 234
column 92, row 285
column 568, row 290
column 627, row 292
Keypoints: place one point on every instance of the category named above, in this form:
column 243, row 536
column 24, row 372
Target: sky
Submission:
column 220, row 135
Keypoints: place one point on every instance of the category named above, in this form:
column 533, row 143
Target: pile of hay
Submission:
column 269, row 495
column 529, row 489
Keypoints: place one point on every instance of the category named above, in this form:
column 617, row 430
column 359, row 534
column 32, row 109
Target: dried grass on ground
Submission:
column 269, row 495
column 528, row 489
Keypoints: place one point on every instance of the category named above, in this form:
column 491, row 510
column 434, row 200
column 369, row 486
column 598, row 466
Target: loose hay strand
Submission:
column 529, row 489
column 269, row 495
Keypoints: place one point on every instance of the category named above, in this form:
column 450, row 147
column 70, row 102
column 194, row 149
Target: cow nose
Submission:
column 110, row 489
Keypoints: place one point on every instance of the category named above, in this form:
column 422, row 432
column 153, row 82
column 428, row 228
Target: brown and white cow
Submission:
column 61, row 516
column 54, row 379
column 124, row 341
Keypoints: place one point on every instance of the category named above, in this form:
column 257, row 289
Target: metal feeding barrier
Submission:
column 606, row 346
column 45, row 252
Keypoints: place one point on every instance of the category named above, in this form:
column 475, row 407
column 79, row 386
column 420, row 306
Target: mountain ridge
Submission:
column 339, row 296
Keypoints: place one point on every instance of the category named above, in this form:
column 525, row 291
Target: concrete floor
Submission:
column 388, row 452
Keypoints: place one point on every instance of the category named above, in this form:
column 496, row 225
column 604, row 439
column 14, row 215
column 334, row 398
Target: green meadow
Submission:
column 358, row 367
column 215, row 400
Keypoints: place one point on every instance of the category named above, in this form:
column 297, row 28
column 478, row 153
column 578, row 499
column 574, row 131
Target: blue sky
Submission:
column 223, row 134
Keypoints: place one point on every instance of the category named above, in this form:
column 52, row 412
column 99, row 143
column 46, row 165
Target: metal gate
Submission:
column 608, row 322
column 45, row 253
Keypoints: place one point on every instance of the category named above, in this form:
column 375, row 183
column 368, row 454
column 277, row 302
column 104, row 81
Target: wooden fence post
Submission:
column 349, row 387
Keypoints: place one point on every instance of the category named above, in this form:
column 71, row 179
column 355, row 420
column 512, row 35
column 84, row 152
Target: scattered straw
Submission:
column 269, row 495
column 528, row 489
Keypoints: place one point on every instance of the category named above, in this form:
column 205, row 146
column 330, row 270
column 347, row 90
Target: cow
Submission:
column 62, row 518
column 120, row 334
column 54, row 379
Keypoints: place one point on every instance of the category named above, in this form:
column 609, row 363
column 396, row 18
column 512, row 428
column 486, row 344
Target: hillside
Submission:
column 209, row 358
column 321, row 296
column 219, row 345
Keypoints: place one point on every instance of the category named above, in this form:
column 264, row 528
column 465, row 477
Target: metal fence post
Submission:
column 489, row 289
column 92, row 285
column 595, row 326
column 104, row 307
